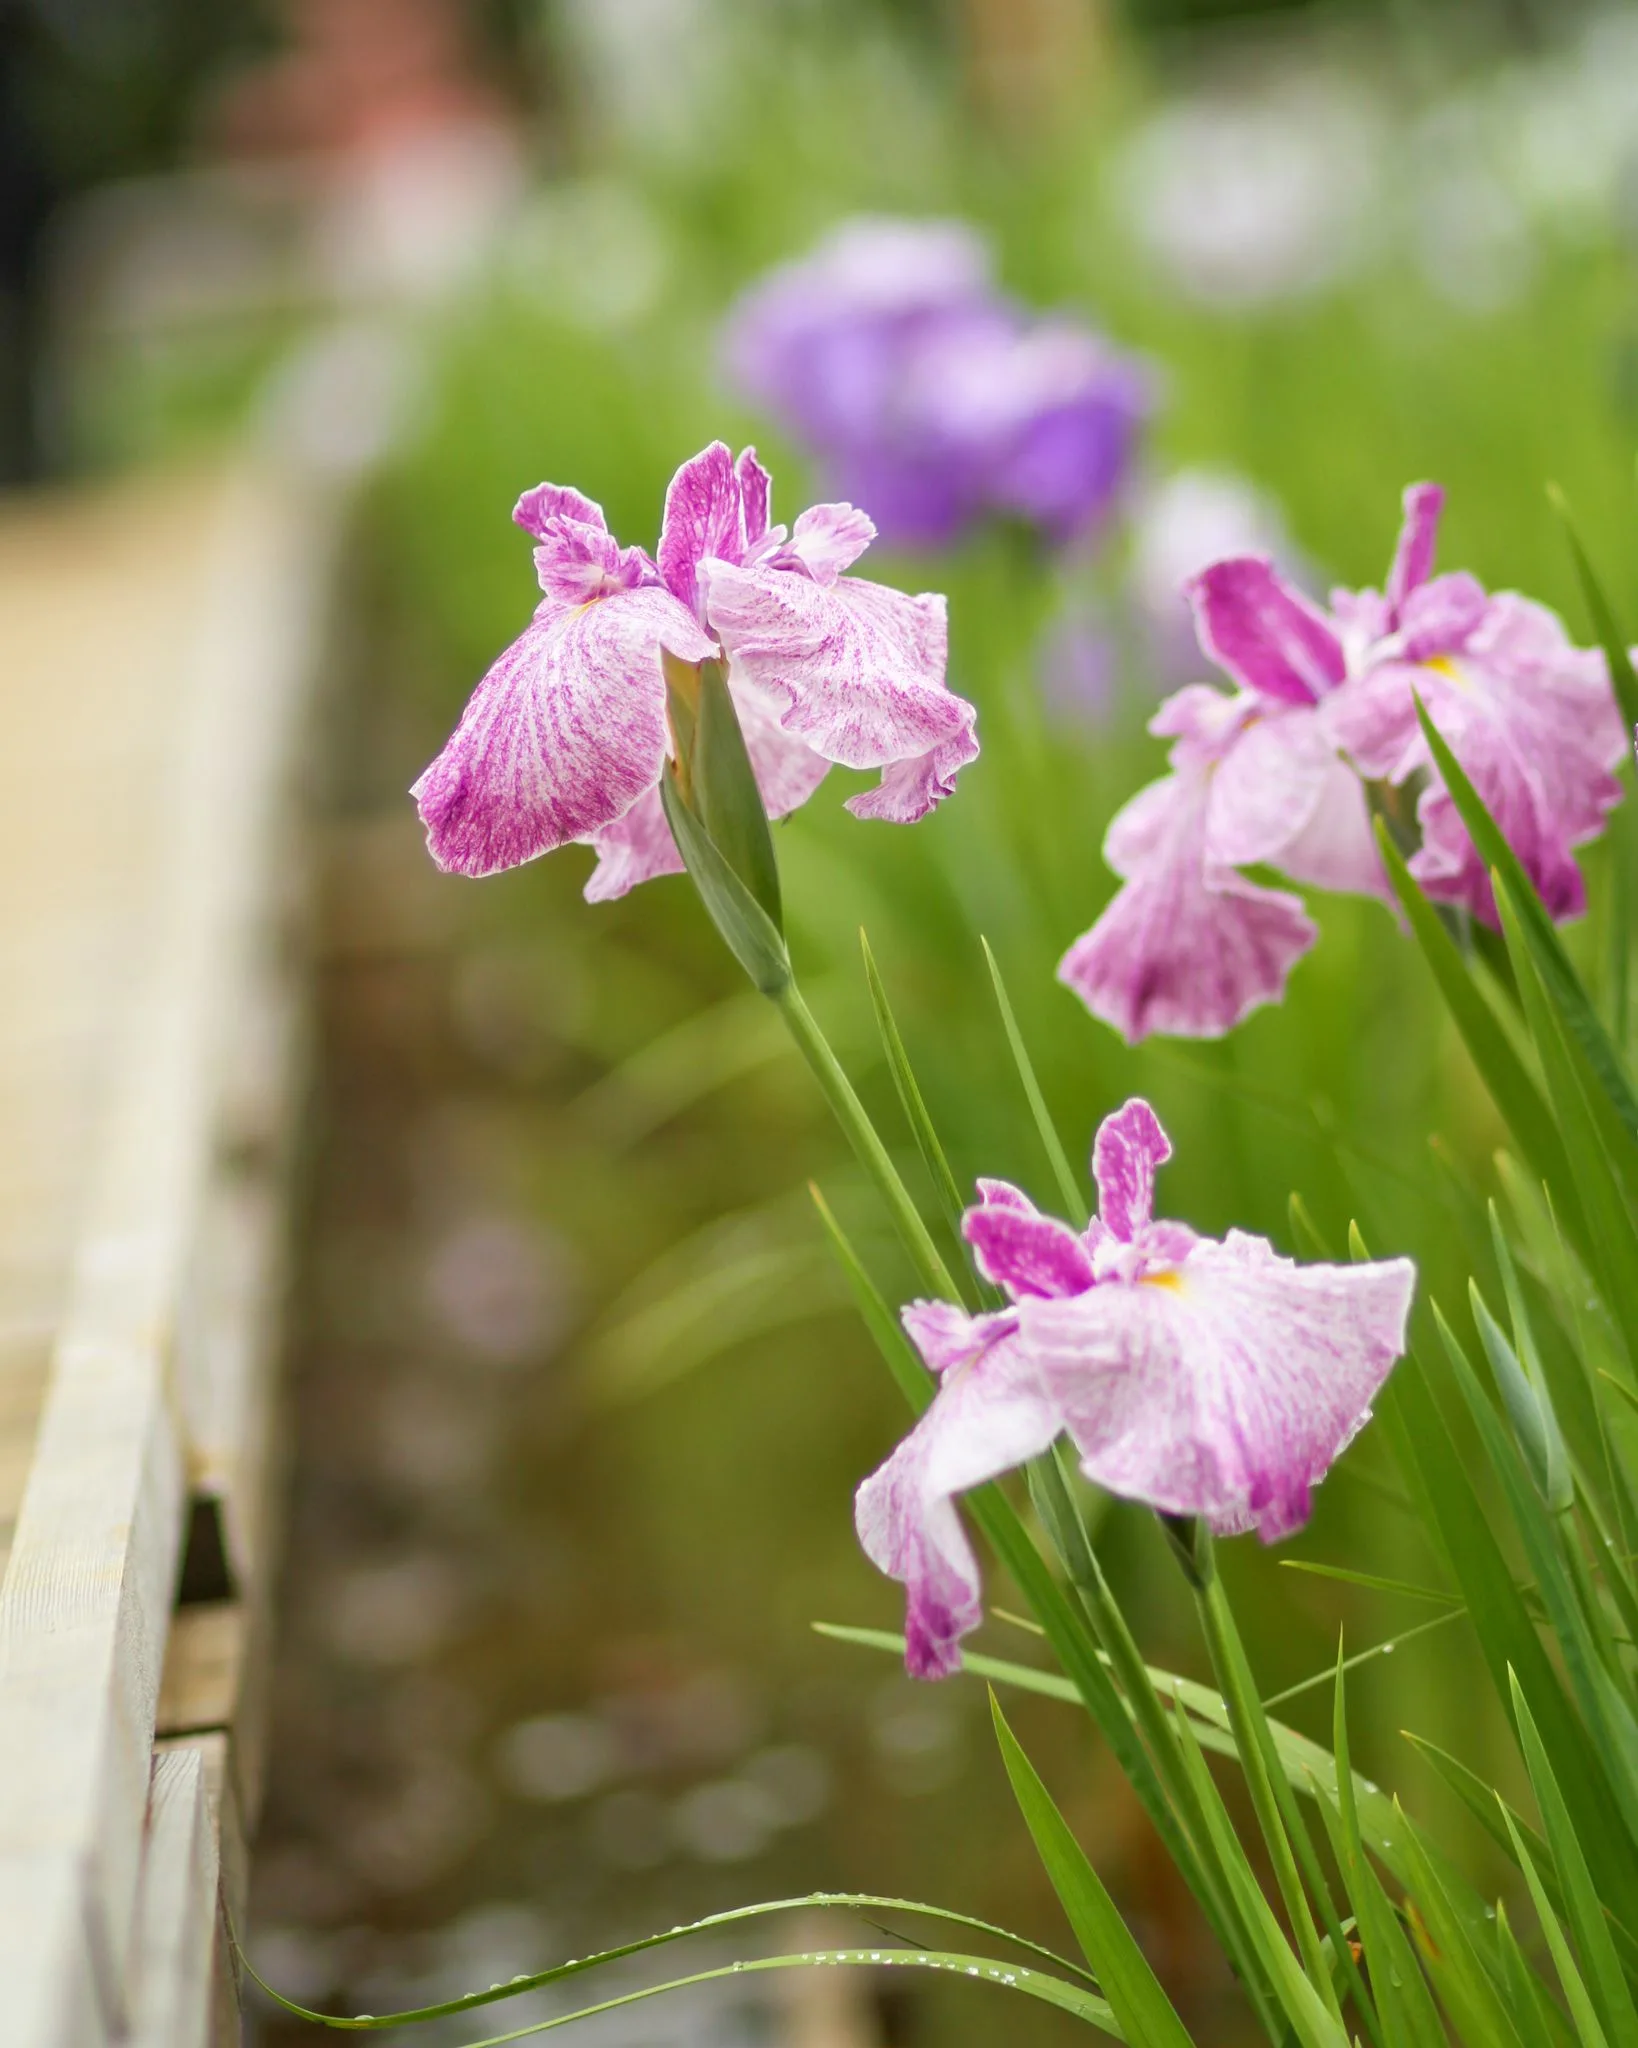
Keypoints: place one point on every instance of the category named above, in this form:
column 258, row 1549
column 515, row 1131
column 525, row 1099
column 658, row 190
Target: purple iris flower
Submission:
column 889, row 353
column 1202, row 1377
column 1275, row 775
column 566, row 736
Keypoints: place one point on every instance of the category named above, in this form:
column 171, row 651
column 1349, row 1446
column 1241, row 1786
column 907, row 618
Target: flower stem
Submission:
column 872, row 1154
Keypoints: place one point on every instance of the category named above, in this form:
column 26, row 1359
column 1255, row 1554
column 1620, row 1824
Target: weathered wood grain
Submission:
column 152, row 670
column 174, row 1949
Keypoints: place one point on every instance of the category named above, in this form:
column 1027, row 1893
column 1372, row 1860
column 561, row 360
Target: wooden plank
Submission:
column 173, row 1964
column 85, row 1605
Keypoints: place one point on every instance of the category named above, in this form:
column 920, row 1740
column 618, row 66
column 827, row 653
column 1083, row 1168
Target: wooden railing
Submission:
column 158, row 645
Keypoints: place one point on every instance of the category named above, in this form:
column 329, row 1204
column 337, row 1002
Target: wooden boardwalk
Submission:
column 158, row 641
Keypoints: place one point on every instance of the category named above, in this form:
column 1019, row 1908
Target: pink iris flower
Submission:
column 1189, row 945
column 1202, row 1377
column 1531, row 718
column 566, row 736
column 1274, row 775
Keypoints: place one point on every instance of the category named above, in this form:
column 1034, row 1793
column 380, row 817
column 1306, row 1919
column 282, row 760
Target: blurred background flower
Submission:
column 928, row 398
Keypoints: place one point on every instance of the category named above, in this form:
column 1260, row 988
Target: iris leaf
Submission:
column 1511, row 1086
column 747, row 930
column 1069, row 1188
column 1403, row 2001
column 862, row 1902
column 1545, row 946
column 1579, row 1899
column 910, row 1096
column 1602, row 613
column 1146, row 2016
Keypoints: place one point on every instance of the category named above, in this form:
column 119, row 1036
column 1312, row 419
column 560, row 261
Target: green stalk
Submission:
column 871, row 1153
column 1061, row 1518
column 1250, row 1727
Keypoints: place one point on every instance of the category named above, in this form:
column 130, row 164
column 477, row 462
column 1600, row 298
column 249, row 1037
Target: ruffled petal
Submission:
column 636, row 848
column 1227, row 1387
column 562, row 736
column 988, row 1415
column 1439, row 617
column 1266, row 788
column 1026, row 1254
column 827, row 539
column 704, row 517
column 577, row 562
column 946, row 1336
column 857, row 671
column 1418, row 537
column 755, row 493
column 1129, row 1150
column 1337, row 848
column 1183, row 949
column 1262, row 632
column 1534, row 723
column 555, row 501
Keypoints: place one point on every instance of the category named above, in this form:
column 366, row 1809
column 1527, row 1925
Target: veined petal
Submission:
column 908, row 790
column 1227, row 1387
column 827, row 539
column 577, row 561
column 1418, row 537
column 1337, row 849
column 556, row 501
column 1266, row 788
column 1439, row 617
column 1129, row 1150
column 946, row 1336
column 562, row 736
column 756, row 495
column 638, row 847
column 1001, row 1194
column 1262, row 633
column 704, row 517
column 857, row 671
column 1183, row 949
column 1026, row 1254
column 988, row 1415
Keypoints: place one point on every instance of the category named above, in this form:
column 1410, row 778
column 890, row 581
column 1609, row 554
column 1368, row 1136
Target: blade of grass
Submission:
column 1579, row 1897
column 1370, row 1581
column 1615, row 1735
column 1075, row 1201
column 1315, row 2021
column 1602, row 613
column 1403, row 2000
column 1382, row 1649
column 1589, row 2029
column 1438, row 1477
column 1511, row 1086
column 861, row 1902
column 1145, row 2015
column 1277, row 1816
column 1545, row 946
column 1467, row 1990
column 1306, row 1763
column 910, row 1096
